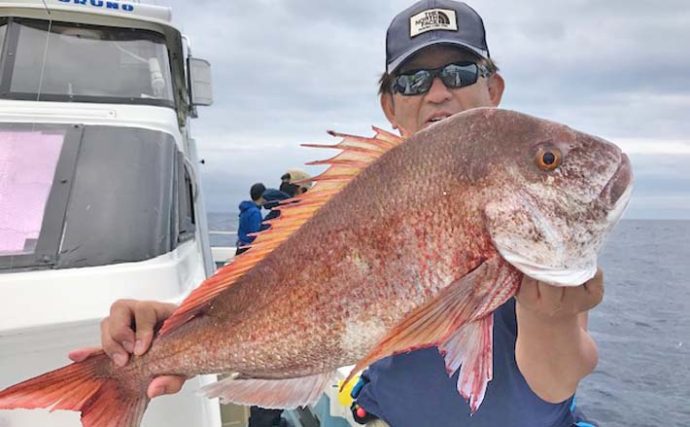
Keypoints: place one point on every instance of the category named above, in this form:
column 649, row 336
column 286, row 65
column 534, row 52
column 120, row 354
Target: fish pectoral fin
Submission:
column 471, row 297
column 270, row 393
column 470, row 349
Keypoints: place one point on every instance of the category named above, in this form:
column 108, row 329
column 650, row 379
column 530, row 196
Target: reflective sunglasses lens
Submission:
column 459, row 75
column 413, row 84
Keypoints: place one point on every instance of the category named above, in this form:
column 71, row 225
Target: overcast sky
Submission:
column 285, row 71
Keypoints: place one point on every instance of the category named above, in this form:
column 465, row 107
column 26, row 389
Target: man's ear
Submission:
column 496, row 87
column 388, row 108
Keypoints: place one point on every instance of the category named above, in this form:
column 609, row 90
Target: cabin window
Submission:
column 186, row 215
column 54, row 61
column 76, row 196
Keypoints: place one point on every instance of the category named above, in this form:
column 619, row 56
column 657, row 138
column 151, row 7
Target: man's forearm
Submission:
column 553, row 354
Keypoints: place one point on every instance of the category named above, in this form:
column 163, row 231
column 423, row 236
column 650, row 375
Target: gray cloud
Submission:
column 285, row 71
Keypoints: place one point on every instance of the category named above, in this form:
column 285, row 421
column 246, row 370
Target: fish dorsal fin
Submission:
column 470, row 297
column 356, row 154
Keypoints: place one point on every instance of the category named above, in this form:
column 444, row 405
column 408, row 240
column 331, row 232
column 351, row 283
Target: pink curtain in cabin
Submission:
column 27, row 165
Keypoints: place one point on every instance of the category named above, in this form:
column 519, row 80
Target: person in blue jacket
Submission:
column 250, row 217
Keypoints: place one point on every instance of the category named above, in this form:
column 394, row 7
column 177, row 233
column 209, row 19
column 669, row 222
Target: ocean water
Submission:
column 223, row 222
column 642, row 327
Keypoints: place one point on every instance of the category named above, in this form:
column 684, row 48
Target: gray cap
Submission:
column 430, row 22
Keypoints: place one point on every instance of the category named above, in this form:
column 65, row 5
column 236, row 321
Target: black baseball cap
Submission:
column 431, row 22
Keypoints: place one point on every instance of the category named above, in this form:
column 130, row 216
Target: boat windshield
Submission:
column 54, row 61
column 28, row 160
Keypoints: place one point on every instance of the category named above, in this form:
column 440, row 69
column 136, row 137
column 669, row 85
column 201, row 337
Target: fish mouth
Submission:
column 616, row 193
column 619, row 183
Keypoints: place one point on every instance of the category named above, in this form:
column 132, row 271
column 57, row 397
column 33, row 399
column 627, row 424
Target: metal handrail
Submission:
column 222, row 233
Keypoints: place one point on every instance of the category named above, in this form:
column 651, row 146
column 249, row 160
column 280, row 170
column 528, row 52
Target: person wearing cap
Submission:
column 438, row 64
column 250, row 217
column 295, row 182
column 292, row 183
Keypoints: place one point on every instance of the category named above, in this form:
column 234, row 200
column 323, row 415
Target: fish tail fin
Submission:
column 104, row 400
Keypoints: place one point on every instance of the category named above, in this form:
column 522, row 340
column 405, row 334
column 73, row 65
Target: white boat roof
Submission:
column 91, row 11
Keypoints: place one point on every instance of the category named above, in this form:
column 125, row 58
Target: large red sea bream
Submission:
column 403, row 245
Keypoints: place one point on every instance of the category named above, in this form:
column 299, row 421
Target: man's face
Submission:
column 412, row 113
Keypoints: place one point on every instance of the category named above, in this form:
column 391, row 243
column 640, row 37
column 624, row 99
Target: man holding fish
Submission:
column 519, row 204
column 438, row 64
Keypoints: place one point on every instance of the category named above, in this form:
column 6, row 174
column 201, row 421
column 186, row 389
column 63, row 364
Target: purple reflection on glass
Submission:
column 27, row 166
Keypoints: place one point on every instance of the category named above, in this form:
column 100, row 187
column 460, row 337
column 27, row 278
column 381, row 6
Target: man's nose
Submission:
column 438, row 92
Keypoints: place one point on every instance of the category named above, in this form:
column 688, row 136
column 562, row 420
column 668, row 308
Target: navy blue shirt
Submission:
column 414, row 390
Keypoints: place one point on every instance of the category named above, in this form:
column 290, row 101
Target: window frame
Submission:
column 8, row 57
column 186, row 196
column 48, row 243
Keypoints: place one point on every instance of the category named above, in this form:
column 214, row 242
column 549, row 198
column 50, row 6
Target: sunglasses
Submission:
column 454, row 76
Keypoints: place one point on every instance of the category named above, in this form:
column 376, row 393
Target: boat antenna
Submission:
column 45, row 53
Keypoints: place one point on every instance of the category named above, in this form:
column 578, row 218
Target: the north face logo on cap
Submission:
column 433, row 19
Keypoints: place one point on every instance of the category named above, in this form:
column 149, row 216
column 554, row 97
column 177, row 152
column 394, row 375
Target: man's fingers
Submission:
column 528, row 289
column 130, row 328
column 595, row 285
column 552, row 298
column 559, row 301
column 146, row 318
column 593, row 289
column 111, row 347
column 167, row 384
column 120, row 323
column 81, row 354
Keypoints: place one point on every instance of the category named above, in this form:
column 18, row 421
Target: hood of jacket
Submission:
column 246, row 205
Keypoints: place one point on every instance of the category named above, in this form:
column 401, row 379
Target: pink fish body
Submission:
column 399, row 245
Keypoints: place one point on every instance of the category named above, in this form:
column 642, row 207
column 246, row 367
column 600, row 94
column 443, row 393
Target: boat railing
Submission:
column 222, row 233
column 222, row 246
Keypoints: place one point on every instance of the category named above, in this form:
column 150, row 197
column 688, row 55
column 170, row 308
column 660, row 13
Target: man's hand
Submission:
column 555, row 302
column 129, row 330
column 553, row 349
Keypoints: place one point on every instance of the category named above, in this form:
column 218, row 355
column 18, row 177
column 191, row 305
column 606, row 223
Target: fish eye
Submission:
column 548, row 158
